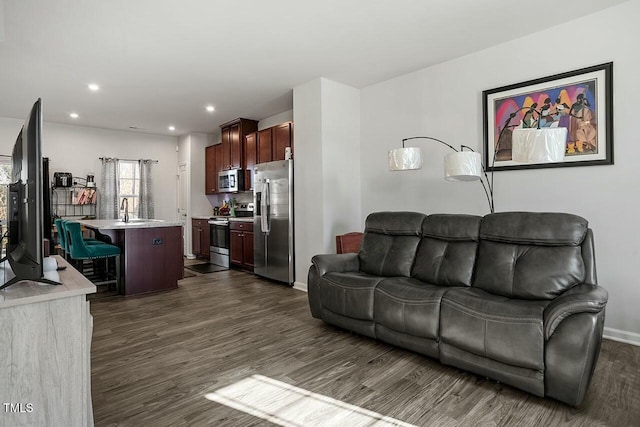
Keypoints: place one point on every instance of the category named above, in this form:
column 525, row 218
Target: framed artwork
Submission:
column 579, row 100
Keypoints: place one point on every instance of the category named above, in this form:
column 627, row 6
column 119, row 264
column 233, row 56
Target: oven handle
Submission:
column 222, row 222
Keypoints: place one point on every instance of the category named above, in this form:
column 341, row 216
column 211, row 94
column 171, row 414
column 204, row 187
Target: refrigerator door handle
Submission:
column 265, row 208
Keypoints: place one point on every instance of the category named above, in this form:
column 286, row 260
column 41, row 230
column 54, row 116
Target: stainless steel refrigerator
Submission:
column 273, row 221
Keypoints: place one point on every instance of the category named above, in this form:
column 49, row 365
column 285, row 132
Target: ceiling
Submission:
column 160, row 62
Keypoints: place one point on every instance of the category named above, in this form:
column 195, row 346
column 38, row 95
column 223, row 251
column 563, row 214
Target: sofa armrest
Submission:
column 336, row 263
column 579, row 299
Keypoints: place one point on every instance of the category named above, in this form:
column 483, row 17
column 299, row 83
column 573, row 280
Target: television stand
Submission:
column 45, row 351
column 17, row 279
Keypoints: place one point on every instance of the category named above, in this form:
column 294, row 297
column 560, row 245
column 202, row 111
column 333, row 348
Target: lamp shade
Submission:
column 401, row 159
column 538, row 145
column 462, row 166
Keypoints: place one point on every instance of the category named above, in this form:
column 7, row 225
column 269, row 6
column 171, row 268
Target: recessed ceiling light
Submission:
column 74, row 115
column 94, row 87
column 210, row 108
column 172, row 128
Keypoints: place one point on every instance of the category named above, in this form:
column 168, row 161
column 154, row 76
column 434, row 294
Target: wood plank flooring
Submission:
column 155, row 358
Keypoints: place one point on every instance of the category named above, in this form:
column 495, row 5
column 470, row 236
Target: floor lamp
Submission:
column 528, row 146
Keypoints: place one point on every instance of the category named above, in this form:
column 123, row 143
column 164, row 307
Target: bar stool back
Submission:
column 79, row 250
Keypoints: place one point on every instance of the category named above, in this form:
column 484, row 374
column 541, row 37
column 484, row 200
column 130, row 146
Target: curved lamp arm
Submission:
column 504, row 128
column 487, row 184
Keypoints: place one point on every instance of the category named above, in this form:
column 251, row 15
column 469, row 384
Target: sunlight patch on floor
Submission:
column 287, row 405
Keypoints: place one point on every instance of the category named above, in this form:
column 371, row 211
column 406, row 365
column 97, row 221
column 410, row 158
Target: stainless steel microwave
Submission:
column 230, row 181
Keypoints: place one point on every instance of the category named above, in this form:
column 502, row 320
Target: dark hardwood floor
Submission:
column 155, row 359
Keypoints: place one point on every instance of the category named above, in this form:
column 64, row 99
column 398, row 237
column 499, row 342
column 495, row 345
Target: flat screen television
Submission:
column 25, row 204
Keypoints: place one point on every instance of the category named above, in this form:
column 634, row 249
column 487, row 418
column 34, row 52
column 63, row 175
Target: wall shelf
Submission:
column 64, row 202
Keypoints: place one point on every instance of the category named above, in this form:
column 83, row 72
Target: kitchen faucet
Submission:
column 125, row 206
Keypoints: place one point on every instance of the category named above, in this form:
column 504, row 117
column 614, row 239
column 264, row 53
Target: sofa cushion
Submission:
column 409, row 306
column 349, row 294
column 498, row 328
column 447, row 251
column 534, row 228
column 530, row 255
column 389, row 243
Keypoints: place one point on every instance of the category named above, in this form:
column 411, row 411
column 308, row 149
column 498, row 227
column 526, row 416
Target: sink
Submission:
column 137, row 221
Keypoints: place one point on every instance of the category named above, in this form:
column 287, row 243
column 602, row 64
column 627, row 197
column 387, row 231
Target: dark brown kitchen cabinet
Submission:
column 273, row 141
column 264, row 148
column 212, row 166
column 233, row 136
column 241, row 244
column 249, row 159
column 210, row 170
column 282, row 138
column 200, row 238
column 219, row 162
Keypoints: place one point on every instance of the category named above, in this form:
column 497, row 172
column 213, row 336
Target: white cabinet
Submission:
column 45, row 347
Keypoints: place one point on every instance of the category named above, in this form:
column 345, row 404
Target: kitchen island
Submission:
column 152, row 249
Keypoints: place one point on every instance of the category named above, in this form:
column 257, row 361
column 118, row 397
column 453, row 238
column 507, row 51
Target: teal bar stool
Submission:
column 62, row 237
column 80, row 251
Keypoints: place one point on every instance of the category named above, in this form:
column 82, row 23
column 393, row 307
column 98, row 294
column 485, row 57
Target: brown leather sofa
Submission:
column 511, row 296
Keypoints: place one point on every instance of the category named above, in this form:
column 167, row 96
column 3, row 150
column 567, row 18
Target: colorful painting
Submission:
column 578, row 100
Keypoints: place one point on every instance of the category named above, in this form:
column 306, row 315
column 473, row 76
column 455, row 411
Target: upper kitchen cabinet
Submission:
column 282, row 138
column 264, row 145
column 210, row 170
column 249, row 159
column 233, row 137
column 213, row 161
column 272, row 142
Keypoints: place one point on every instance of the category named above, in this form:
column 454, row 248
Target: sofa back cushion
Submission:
column 447, row 250
column 390, row 242
column 530, row 255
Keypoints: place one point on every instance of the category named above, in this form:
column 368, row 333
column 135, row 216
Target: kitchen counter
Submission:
column 116, row 224
column 230, row 218
column 152, row 250
column 202, row 217
column 241, row 219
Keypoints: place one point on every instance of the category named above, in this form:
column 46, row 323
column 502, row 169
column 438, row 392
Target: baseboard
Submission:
column 300, row 286
column 622, row 336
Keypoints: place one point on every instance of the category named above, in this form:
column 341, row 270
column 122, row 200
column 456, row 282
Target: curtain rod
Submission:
column 128, row 160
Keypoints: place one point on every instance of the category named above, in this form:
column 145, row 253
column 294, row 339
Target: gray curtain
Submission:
column 146, row 202
column 109, row 201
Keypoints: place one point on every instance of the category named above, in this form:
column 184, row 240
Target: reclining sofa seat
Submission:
column 511, row 296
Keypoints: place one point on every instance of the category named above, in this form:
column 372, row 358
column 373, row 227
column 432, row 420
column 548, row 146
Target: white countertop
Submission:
column 241, row 219
column 114, row 224
column 230, row 218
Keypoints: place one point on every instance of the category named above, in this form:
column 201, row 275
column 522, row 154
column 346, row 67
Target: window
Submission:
column 6, row 168
column 5, row 180
column 129, row 185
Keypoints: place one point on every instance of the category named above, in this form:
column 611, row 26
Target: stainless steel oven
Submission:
column 219, row 250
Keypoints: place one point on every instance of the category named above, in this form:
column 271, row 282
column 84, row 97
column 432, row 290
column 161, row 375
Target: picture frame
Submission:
column 580, row 100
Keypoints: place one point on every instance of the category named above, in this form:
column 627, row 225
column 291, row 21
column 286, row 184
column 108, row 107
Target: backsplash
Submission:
column 241, row 197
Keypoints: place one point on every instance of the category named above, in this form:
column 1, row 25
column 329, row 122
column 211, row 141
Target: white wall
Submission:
column 199, row 203
column 276, row 119
column 76, row 149
column 191, row 153
column 327, row 168
column 184, row 158
column 445, row 101
column 307, row 176
column 340, row 161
